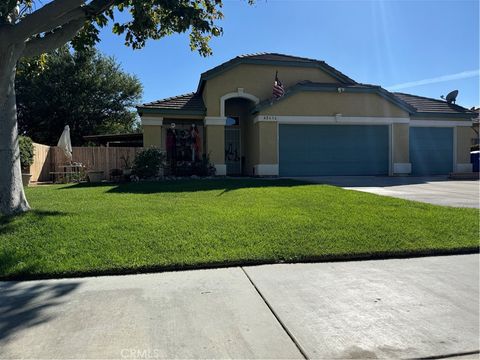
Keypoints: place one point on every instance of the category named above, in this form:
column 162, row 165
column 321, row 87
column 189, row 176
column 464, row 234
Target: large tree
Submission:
column 32, row 27
column 97, row 98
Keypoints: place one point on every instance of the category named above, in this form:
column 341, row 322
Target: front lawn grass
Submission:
column 81, row 229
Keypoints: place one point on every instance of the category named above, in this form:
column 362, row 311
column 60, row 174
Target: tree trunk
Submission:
column 12, row 195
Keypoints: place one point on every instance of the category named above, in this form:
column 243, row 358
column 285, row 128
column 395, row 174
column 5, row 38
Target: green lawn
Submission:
column 115, row 228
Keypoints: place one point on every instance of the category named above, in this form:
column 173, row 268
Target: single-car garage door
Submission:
column 431, row 150
column 315, row 150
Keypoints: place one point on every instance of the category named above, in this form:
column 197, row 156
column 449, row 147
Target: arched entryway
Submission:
column 240, row 146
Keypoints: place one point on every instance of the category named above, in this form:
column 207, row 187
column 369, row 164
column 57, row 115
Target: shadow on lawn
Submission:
column 9, row 223
column 25, row 304
column 187, row 185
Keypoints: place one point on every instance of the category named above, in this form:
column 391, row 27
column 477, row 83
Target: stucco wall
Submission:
column 312, row 103
column 251, row 146
column 152, row 136
column 267, row 134
column 215, row 143
column 256, row 80
column 400, row 134
column 464, row 142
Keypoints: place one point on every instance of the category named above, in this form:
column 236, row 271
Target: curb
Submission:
column 243, row 263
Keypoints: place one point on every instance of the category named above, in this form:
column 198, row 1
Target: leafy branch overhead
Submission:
column 44, row 27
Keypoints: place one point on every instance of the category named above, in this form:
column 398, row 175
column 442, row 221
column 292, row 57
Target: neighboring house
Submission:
column 325, row 124
column 475, row 126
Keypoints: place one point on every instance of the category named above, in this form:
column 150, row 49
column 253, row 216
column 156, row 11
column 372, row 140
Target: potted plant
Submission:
column 127, row 166
column 95, row 176
column 26, row 158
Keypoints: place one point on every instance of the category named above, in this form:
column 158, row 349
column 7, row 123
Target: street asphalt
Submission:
column 438, row 190
column 408, row 308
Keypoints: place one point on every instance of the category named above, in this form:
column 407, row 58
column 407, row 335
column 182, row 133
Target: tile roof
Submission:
column 417, row 105
column 281, row 59
column 428, row 105
column 187, row 102
column 308, row 83
column 276, row 57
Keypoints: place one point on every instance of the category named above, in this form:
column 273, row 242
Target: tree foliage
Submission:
column 56, row 22
column 85, row 90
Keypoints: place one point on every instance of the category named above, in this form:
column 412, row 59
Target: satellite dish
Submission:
column 451, row 97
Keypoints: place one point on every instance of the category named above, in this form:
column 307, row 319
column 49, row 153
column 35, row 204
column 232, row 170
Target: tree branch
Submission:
column 54, row 40
column 62, row 20
column 96, row 7
column 99, row 6
column 40, row 20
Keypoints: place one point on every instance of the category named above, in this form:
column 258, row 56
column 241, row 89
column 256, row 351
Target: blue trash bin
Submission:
column 475, row 160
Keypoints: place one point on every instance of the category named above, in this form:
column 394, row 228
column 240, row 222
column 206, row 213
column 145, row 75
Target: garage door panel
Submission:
column 431, row 150
column 312, row 150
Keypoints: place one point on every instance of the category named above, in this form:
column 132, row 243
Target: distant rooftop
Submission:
column 132, row 139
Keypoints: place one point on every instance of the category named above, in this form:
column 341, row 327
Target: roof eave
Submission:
column 168, row 111
column 443, row 115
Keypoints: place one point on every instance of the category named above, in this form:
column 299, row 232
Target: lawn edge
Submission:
column 238, row 263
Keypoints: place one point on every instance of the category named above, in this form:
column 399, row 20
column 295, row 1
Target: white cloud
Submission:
column 457, row 76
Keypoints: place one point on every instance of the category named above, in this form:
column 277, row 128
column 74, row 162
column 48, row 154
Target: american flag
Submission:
column 278, row 90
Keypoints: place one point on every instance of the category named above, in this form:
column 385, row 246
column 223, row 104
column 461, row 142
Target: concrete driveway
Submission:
column 409, row 308
column 438, row 190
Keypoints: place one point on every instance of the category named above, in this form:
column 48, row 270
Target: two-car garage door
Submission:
column 318, row 150
column 315, row 150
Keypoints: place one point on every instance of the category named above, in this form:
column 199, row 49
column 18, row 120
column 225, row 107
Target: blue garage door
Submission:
column 313, row 150
column 431, row 150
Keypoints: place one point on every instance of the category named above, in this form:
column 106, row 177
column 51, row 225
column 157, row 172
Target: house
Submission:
column 476, row 122
column 325, row 124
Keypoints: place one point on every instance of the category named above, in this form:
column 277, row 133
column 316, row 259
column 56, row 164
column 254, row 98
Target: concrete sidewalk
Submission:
column 394, row 308
column 438, row 190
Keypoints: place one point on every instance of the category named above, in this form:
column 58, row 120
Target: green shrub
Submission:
column 26, row 151
column 148, row 162
column 204, row 167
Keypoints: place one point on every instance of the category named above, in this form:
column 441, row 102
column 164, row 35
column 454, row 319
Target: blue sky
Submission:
column 424, row 47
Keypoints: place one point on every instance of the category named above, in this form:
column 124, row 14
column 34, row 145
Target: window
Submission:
column 232, row 121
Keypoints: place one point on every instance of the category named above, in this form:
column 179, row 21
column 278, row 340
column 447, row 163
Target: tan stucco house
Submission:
column 325, row 124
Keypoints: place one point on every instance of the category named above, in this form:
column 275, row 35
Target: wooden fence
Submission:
column 51, row 158
column 42, row 163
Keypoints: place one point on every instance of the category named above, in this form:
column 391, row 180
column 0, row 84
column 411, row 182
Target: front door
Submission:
column 233, row 150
